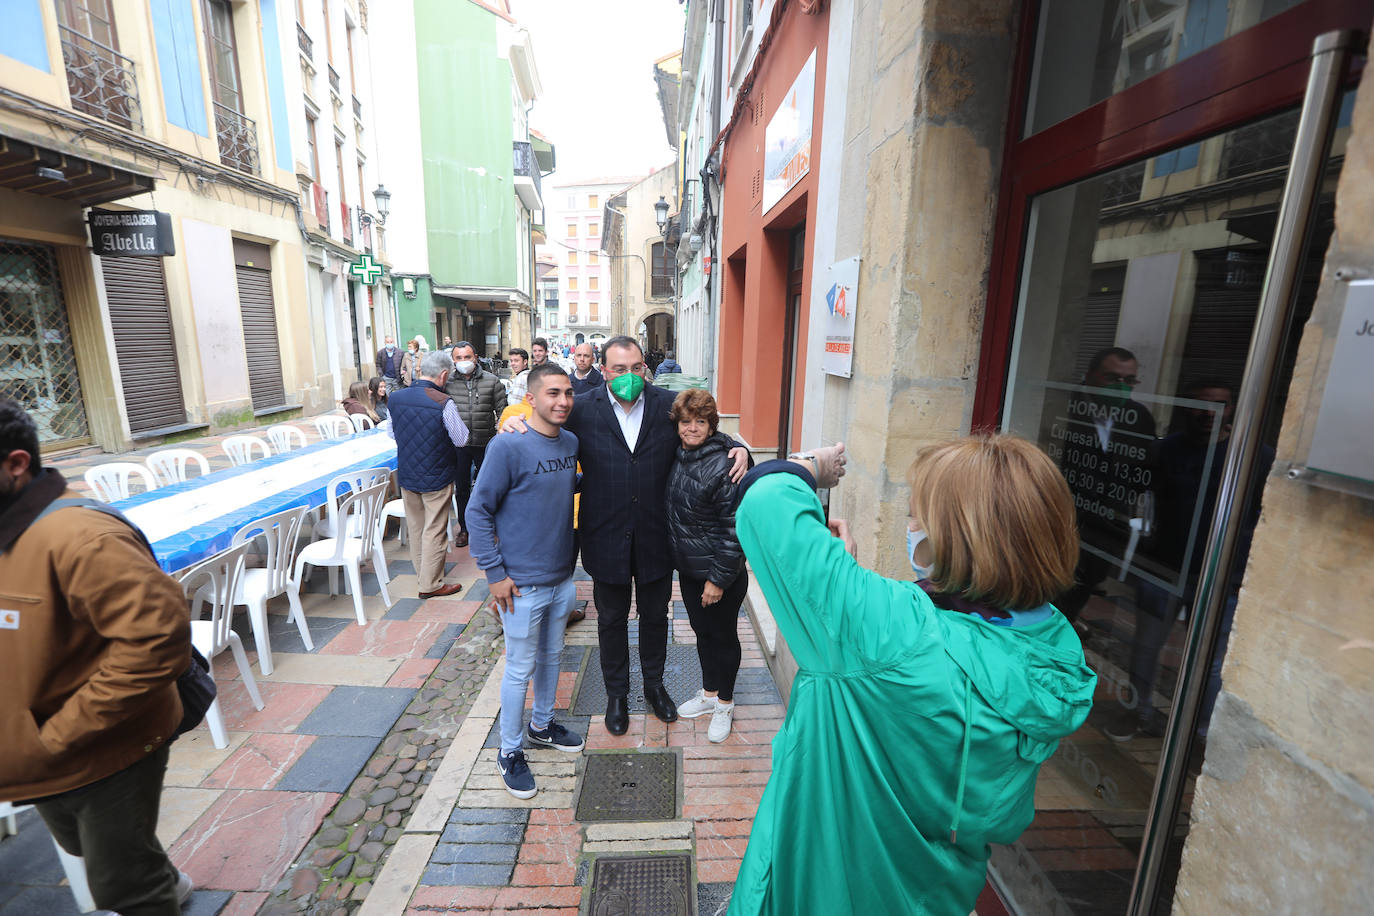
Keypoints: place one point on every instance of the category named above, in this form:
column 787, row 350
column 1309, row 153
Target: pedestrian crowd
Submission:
column 917, row 723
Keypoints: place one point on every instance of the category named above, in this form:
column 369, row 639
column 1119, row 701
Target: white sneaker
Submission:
column 720, row 722
column 184, row 886
column 698, row 705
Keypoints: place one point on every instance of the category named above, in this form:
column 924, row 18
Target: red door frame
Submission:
column 1253, row 73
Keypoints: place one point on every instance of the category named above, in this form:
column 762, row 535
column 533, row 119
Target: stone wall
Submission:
column 924, row 124
column 1283, row 815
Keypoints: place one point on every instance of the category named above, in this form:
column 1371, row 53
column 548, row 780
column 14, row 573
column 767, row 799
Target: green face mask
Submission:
column 627, row 387
column 1123, row 394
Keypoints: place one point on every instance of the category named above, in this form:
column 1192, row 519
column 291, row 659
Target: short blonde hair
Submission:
column 1000, row 519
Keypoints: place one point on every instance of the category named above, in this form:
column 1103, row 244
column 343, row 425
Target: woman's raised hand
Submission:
column 830, row 462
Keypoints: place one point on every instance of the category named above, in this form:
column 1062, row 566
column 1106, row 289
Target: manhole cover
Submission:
column 631, row 885
column 629, row 787
column 681, row 675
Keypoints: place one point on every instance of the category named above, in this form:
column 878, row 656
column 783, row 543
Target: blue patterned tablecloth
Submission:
column 189, row 521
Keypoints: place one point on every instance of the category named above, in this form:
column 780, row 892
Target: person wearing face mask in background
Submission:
column 480, row 398
column 627, row 443
column 1109, row 448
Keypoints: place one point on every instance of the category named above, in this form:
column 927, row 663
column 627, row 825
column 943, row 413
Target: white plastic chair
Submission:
column 361, row 421
column 332, row 426
column 74, row 867
column 394, row 508
column 110, row 481
column 169, row 465
column 353, row 481
column 279, row 533
column 358, row 511
column 215, row 581
column 284, row 437
column 240, row 448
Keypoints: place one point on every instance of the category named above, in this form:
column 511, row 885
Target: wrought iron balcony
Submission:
column 101, row 80
column 333, row 78
column 238, row 139
column 1123, row 185
column 357, row 108
column 304, row 43
column 527, row 177
column 1259, row 147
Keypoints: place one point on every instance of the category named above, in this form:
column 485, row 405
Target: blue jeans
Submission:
column 534, row 644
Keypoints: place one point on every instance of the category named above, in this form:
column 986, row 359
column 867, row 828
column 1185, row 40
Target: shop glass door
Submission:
column 1135, row 317
column 1139, row 207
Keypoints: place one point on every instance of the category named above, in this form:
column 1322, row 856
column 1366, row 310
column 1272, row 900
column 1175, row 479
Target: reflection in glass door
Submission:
column 1137, row 300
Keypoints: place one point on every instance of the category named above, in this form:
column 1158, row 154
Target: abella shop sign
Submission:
column 131, row 233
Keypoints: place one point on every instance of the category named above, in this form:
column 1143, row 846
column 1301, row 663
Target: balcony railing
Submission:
column 101, row 80
column 357, row 108
column 527, row 167
column 573, row 319
column 1259, row 147
column 304, row 43
column 238, row 139
column 347, row 222
column 333, row 78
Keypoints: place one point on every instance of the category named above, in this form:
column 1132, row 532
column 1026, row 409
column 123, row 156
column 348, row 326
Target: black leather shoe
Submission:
column 663, row 705
column 617, row 715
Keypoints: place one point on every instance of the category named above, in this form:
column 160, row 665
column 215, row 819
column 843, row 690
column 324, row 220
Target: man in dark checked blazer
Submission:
column 626, row 447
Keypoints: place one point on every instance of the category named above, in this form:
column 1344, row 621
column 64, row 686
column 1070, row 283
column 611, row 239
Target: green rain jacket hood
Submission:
column 1032, row 677
column 913, row 736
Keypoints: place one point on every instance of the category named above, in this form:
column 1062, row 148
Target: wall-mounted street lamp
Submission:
column 383, row 198
column 661, row 212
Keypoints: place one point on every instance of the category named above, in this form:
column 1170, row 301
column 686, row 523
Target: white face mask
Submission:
column 464, row 366
column 914, row 540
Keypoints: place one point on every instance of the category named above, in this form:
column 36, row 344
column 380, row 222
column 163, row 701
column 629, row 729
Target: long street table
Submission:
column 189, row 521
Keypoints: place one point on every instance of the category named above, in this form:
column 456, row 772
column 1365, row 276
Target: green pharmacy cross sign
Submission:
column 366, row 268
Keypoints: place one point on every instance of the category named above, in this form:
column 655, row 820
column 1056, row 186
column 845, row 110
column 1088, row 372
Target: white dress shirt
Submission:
column 630, row 420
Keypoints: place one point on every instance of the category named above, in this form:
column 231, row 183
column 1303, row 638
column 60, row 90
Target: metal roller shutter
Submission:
column 260, row 337
column 137, row 293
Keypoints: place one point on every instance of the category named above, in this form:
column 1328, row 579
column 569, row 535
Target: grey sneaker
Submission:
column 515, row 771
column 698, row 705
column 184, row 886
column 719, row 729
column 556, row 737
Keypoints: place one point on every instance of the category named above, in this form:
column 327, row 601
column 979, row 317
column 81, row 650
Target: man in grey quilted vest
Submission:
column 480, row 398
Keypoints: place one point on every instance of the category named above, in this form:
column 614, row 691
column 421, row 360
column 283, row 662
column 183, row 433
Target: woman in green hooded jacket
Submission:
column 922, row 711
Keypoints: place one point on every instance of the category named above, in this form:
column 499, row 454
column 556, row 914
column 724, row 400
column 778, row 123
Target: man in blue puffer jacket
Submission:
column 428, row 433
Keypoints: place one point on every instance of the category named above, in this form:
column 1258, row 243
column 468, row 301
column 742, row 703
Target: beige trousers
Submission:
column 427, row 529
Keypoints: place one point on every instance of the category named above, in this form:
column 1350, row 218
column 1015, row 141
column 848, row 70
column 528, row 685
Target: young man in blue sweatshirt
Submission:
column 529, row 574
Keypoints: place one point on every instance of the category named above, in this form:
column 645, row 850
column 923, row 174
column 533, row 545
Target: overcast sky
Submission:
column 595, row 59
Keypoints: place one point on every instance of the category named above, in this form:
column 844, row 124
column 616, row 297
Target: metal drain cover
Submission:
column 629, row 787
column 681, row 675
column 630, row 885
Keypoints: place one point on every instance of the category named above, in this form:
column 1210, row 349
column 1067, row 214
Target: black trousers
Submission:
column 469, row 465
column 717, row 629
column 113, row 825
column 612, row 620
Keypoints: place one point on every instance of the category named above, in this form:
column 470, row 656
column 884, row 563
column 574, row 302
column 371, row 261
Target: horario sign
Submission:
column 131, row 233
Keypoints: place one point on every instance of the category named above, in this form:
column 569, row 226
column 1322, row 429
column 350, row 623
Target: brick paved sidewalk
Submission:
column 473, row 848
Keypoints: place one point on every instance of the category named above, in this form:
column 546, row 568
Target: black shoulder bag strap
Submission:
column 195, row 685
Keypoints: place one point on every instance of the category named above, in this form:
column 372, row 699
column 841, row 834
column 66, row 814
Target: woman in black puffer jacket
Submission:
column 710, row 562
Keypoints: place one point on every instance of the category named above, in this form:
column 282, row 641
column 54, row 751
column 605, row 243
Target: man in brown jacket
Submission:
column 92, row 638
